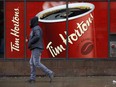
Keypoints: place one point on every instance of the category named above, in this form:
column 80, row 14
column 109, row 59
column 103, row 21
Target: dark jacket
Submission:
column 35, row 40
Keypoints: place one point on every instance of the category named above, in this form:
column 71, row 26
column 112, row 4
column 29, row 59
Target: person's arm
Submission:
column 35, row 38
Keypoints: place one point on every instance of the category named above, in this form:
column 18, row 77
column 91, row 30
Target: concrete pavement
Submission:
column 90, row 81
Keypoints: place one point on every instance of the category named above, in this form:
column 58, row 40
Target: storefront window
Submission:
column 87, row 39
column 51, row 25
column 71, row 30
column 112, row 32
column 1, row 29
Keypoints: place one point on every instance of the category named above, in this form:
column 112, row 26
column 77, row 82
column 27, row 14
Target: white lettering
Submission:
column 15, row 31
column 15, row 46
column 55, row 50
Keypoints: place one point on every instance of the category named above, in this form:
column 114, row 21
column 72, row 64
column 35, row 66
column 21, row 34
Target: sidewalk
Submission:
column 94, row 81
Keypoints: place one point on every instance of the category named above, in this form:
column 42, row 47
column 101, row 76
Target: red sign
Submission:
column 14, row 29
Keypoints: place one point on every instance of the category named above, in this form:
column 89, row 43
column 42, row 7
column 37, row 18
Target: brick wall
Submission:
column 61, row 67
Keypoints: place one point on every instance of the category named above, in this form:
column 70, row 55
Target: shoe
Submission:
column 31, row 81
column 51, row 76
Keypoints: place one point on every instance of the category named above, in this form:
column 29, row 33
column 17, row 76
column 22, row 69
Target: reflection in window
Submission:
column 1, row 29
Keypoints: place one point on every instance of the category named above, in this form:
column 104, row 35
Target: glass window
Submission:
column 1, row 29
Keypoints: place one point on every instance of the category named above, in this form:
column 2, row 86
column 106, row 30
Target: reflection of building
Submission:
column 1, row 29
column 113, row 49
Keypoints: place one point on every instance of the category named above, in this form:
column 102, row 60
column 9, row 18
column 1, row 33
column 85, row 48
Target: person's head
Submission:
column 33, row 22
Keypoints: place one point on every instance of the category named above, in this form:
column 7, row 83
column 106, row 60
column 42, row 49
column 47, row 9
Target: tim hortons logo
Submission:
column 82, row 27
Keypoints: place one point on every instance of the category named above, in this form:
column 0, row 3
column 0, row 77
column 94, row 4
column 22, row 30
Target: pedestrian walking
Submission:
column 35, row 44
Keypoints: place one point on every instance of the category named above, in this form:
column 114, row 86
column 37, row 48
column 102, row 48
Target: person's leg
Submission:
column 33, row 69
column 37, row 62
